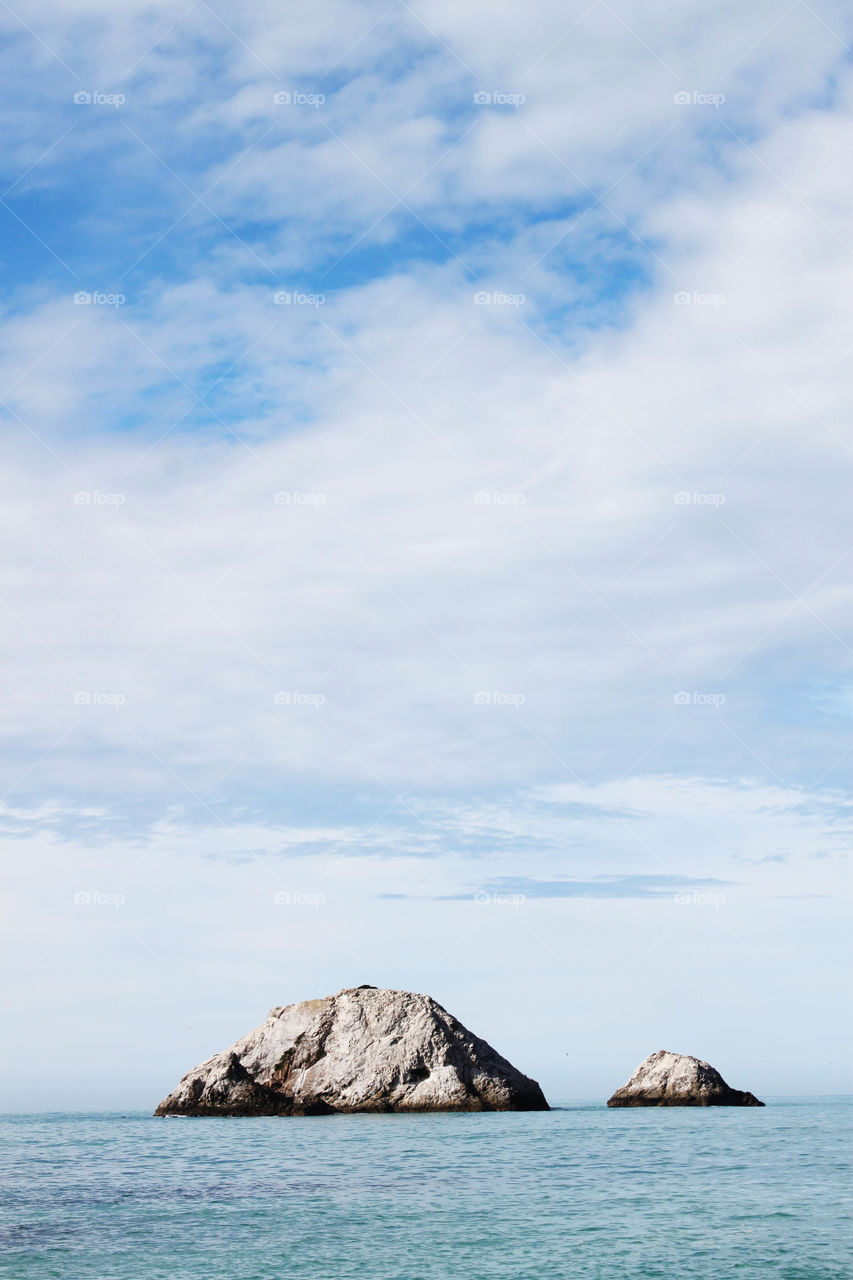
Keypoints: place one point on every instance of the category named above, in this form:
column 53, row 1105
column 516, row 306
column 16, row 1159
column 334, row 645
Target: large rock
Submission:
column 676, row 1080
column 364, row 1049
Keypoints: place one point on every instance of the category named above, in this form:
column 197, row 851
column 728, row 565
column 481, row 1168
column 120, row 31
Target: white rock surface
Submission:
column 667, row 1079
column 364, row 1049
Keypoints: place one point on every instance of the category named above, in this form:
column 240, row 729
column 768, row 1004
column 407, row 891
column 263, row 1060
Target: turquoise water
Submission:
column 583, row 1192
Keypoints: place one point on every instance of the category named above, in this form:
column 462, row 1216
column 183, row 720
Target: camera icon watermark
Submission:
column 97, row 698
column 695, row 98
column 298, row 98
column 494, row 298
column 699, row 898
column 698, row 699
column 94, row 498
column 497, row 98
column 287, row 698
column 496, row 698
column 94, row 898
column 95, row 98
column 492, row 498
column 696, row 299
column 97, row 298
column 499, row 899
column 685, row 499
column 296, row 298
column 295, row 498
column 295, row 898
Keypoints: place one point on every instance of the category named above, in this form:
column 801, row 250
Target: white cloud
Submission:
column 582, row 584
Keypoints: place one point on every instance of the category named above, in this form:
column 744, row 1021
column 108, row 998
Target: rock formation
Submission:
column 364, row 1049
column 676, row 1080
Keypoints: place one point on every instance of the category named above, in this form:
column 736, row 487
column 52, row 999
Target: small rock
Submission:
column 677, row 1080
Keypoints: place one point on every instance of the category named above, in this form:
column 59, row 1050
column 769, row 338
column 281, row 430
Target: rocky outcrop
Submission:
column 676, row 1080
column 364, row 1049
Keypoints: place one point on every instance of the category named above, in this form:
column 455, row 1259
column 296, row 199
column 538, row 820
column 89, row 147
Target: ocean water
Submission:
column 582, row 1192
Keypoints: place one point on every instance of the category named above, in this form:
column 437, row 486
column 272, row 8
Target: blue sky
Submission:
column 428, row 549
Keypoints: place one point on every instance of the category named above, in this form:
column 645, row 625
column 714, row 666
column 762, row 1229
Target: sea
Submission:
column 716, row 1194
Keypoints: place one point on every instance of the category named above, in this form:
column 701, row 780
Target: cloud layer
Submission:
column 434, row 480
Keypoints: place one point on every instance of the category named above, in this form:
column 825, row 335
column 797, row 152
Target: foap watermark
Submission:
column 95, row 98
column 700, row 898
column 495, row 698
column 698, row 699
column 296, row 298
column 296, row 898
column 495, row 298
column 295, row 498
column 492, row 498
column 685, row 298
column 94, row 898
column 684, row 498
column 94, row 498
column 498, row 98
column 98, row 298
column 288, row 698
column 298, row 98
column 499, row 899
column 696, row 98
column 97, row 698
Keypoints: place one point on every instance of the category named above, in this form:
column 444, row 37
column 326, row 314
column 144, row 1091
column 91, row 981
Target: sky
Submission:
column 427, row 539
